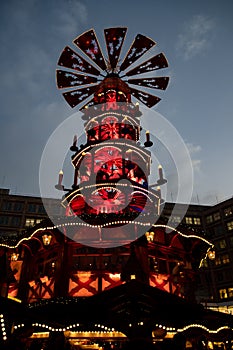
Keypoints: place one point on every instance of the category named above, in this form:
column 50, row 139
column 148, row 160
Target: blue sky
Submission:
column 196, row 37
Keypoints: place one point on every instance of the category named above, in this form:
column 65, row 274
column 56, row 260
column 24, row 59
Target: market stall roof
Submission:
column 128, row 304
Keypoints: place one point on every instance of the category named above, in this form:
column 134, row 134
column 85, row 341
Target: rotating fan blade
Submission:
column 157, row 62
column 67, row 79
column 114, row 38
column 88, row 43
column 74, row 97
column 148, row 99
column 140, row 45
column 70, row 59
column 154, row 83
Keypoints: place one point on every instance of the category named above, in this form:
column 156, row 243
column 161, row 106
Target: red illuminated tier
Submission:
column 110, row 156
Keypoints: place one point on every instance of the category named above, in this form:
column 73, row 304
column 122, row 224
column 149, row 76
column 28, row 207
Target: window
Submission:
column 41, row 209
column 7, row 206
column 209, row 219
column 15, row 220
column 225, row 259
column 221, row 244
column 4, row 220
column 197, row 221
column 12, row 206
column 18, row 206
column 228, row 211
column 188, row 220
column 223, row 293
column 175, row 218
column 230, row 225
column 222, row 259
column 32, row 221
column 218, row 230
column 231, row 241
column 218, row 261
column 29, row 222
column 32, row 208
column 216, row 216
column 230, row 292
column 210, row 232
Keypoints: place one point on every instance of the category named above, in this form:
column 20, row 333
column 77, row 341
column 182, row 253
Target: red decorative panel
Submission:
column 41, row 290
column 16, row 267
column 84, row 283
column 162, row 282
column 110, row 280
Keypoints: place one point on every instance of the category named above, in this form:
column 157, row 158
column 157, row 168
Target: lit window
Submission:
column 29, row 222
column 223, row 293
column 225, row 259
column 175, row 218
column 228, row 211
column 222, row 244
column 197, row 221
column 218, row 261
column 230, row 225
column 216, row 216
column 188, row 220
column 37, row 221
column 230, row 292
column 209, row 219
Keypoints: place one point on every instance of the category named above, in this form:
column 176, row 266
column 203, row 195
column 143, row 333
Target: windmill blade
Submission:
column 148, row 99
column 154, row 83
column 75, row 97
column 114, row 38
column 88, row 43
column 67, row 79
column 70, row 59
column 156, row 62
column 140, row 45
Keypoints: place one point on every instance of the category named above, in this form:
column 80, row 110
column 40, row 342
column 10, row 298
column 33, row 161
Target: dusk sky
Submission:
column 196, row 37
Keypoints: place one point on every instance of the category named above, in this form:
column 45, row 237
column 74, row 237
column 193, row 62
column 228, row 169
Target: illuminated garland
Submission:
column 72, row 195
column 108, row 143
column 165, row 328
column 104, row 329
column 184, row 235
column 113, row 114
column 194, row 325
column 3, row 327
column 102, row 226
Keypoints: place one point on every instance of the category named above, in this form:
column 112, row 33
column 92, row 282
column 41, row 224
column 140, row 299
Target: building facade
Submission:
column 19, row 212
